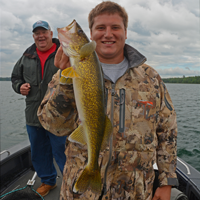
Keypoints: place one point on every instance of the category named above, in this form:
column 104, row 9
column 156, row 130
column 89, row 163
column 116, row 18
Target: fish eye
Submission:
column 80, row 31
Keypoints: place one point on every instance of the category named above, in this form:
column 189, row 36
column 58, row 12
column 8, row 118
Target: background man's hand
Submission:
column 25, row 89
column 163, row 193
column 61, row 61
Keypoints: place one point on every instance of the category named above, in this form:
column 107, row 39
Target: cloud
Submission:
column 187, row 68
column 165, row 31
column 177, row 72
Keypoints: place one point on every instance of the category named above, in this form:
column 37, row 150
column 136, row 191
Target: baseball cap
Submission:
column 42, row 24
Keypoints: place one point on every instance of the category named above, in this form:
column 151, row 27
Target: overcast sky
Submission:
column 165, row 31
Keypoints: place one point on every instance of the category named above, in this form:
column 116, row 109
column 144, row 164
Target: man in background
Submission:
column 30, row 77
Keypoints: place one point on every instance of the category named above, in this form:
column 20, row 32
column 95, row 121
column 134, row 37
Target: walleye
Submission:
column 88, row 83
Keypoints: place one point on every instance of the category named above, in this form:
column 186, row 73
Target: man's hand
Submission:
column 163, row 193
column 25, row 89
column 61, row 61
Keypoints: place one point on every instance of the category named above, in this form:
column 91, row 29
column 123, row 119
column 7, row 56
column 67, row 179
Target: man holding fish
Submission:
column 140, row 129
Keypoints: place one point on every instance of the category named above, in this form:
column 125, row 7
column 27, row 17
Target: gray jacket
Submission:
column 28, row 70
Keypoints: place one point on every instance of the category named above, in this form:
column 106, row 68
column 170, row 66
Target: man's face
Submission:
column 43, row 38
column 109, row 33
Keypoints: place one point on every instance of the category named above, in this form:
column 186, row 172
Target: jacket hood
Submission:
column 31, row 51
column 134, row 57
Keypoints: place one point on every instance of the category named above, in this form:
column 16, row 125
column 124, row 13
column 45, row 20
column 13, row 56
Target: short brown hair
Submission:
column 108, row 7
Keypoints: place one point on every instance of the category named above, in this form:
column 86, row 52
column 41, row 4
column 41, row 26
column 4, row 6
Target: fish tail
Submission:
column 88, row 179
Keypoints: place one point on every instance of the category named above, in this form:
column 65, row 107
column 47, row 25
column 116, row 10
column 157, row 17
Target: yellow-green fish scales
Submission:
column 88, row 83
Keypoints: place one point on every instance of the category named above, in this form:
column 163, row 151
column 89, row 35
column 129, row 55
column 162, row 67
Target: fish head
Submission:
column 72, row 38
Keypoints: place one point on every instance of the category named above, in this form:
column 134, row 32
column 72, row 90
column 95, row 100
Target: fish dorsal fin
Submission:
column 65, row 81
column 87, row 49
column 69, row 73
column 78, row 135
column 107, row 133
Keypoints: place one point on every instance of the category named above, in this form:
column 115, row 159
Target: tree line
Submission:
column 194, row 79
column 5, row 79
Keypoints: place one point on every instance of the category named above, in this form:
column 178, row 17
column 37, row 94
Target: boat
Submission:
column 16, row 170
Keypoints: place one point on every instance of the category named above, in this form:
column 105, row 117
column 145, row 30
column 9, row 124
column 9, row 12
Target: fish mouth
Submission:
column 68, row 29
column 72, row 25
column 64, row 34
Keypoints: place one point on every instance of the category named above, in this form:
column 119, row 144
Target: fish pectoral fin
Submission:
column 107, row 133
column 78, row 135
column 88, row 179
column 69, row 73
column 65, row 81
column 87, row 49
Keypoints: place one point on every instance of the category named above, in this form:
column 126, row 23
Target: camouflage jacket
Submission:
column 144, row 133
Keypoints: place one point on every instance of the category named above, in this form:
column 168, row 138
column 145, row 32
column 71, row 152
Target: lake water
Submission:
column 185, row 97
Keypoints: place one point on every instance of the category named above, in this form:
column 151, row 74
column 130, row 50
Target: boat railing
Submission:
column 5, row 151
column 188, row 169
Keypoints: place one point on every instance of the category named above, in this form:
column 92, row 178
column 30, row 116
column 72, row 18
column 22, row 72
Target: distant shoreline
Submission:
column 5, row 79
column 188, row 80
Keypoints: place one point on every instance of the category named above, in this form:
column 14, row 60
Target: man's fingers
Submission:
column 162, row 193
column 155, row 198
column 61, row 61
column 64, row 63
column 27, row 85
column 25, row 88
column 58, row 56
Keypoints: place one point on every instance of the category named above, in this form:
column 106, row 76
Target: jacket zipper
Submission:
column 122, row 111
column 111, row 138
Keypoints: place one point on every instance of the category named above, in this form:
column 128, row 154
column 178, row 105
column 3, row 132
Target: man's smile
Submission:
column 108, row 42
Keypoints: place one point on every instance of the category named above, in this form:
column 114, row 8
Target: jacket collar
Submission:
column 31, row 51
column 134, row 57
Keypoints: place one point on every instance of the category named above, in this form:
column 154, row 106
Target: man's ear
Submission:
column 126, row 33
